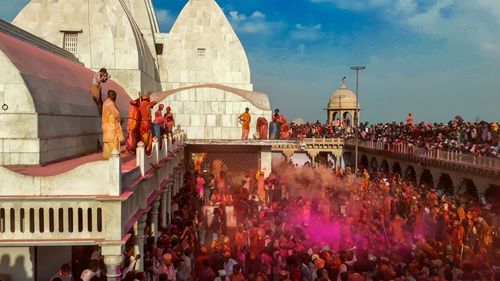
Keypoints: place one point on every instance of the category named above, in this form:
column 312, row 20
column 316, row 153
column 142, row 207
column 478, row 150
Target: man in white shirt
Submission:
column 64, row 273
column 222, row 276
column 90, row 272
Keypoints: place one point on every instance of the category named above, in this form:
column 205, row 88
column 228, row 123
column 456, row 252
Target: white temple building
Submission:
column 58, row 196
column 201, row 50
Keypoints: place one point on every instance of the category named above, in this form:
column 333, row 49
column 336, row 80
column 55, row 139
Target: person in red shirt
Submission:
column 134, row 122
column 409, row 119
column 158, row 122
column 198, row 261
column 169, row 120
column 146, row 128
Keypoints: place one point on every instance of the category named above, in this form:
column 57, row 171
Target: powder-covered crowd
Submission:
column 319, row 224
column 479, row 138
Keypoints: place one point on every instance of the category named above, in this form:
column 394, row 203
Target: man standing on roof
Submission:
column 99, row 78
column 146, row 128
column 112, row 133
column 134, row 122
column 169, row 120
column 158, row 122
column 245, row 123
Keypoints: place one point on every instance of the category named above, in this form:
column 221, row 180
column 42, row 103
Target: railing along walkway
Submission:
column 447, row 156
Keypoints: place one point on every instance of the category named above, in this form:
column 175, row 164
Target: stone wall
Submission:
column 212, row 113
column 108, row 36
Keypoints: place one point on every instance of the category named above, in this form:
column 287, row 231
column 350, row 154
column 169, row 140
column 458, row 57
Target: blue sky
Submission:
column 434, row 58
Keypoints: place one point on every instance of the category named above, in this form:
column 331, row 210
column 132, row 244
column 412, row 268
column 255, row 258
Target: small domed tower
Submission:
column 342, row 104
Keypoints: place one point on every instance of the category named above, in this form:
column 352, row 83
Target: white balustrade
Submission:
column 85, row 208
column 450, row 156
column 31, row 219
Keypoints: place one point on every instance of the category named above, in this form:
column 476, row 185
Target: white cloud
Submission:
column 461, row 22
column 355, row 4
column 464, row 22
column 307, row 33
column 236, row 16
column 254, row 23
column 258, row 15
column 165, row 19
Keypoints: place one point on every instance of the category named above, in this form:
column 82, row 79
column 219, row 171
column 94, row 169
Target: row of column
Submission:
column 161, row 215
column 337, row 157
column 457, row 179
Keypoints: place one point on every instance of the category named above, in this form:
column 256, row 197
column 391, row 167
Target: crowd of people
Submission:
column 141, row 125
column 478, row 138
column 314, row 224
column 319, row 224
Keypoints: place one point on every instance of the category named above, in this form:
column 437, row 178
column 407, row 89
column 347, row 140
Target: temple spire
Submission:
column 344, row 83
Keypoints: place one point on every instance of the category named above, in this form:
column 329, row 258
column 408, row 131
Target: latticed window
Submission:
column 202, row 52
column 71, row 42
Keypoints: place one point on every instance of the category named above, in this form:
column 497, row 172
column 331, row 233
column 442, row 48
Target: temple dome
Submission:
column 202, row 48
column 342, row 98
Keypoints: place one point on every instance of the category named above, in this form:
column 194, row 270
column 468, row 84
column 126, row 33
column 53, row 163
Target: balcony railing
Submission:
column 448, row 156
column 95, row 201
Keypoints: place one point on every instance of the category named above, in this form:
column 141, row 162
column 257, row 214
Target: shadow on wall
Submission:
column 14, row 272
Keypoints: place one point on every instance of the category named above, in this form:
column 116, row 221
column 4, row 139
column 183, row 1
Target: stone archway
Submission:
column 445, row 183
column 334, row 115
column 374, row 165
column 364, row 161
column 348, row 118
column 427, row 178
column 493, row 195
column 396, row 169
column 410, row 174
column 384, row 166
column 470, row 188
column 321, row 159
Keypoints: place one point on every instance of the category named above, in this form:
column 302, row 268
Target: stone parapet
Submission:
column 94, row 203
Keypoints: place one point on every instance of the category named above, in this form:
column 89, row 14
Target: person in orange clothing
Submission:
column 134, row 122
column 366, row 175
column 262, row 128
column 245, row 119
column 112, row 133
column 284, row 127
column 146, row 128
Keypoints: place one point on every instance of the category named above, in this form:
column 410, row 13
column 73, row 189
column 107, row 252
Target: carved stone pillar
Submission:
column 154, row 217
column 481, row 189
column 176, row 182
column 313, row 154
column 182, row 171
column 139, row 227
column 169, row 202
column 112, row 258
column 288, row 155
column 338, row 161
column 163, row 208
